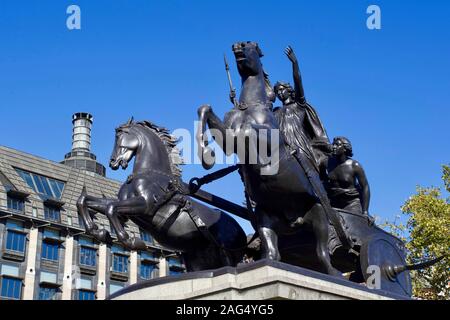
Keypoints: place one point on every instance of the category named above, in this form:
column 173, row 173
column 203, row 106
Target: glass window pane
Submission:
column 86, row 241
column 15, row 204
column 147, row 270
column 55, row 189
column 46, row 186
column 85, row 283
column 48, row 277
column 50, row 251
column 113, row 288
column 11, row 288
column 88, row 256
column 42, row 185
column 51, row 213
column 10, row 270
column 51, row 233
column 145, row 236
column 15, row 241
column 21, row 241
column 46, row 293
column 60, row 186
column 86, row 295
column 37, row 181
column 12, row 224
column 27, row 178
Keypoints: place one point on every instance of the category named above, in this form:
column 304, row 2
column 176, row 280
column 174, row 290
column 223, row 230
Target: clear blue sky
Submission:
column 387, row 90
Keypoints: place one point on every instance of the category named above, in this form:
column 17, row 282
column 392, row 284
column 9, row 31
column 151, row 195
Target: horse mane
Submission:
column 170, row 142
column 269, row 89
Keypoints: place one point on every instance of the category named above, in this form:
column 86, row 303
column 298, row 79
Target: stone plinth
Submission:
column 261, row 280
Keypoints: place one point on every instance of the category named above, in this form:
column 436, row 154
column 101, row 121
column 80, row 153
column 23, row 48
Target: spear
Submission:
column 230, row 82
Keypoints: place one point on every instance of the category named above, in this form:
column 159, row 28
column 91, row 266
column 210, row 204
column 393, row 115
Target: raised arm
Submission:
column 299, row 92
column 360, row 175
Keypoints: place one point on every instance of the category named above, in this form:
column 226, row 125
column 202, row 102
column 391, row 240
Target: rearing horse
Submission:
column 283, row 196
column 153, row 197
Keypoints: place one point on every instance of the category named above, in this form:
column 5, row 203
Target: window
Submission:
column 88, row 256
column 119, row 259
column 145, row 236
column 47, row 293
column 120, row 263
column 175, row 266
column 15, row 237
column 50, row 251
column 48, row 277
column 85, row 283
column 11, row 288
column 114, row 287
column 42, row 185
column 86, row 295
column 176, row 262
column 84, row 287
column 16, row 204
column 147, row 270
column 52, row 213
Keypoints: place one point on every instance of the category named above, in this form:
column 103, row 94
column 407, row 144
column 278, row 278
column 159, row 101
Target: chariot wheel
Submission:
column 385, row 252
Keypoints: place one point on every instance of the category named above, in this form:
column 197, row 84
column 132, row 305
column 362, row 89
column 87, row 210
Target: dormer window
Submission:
column 48, row 187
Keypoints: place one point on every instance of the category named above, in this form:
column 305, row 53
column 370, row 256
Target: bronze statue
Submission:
column 289, row 209
column 347, row 184
column 155, row 198
column 290, row 193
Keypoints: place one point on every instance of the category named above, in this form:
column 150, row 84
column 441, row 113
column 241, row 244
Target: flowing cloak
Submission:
column 302, row 129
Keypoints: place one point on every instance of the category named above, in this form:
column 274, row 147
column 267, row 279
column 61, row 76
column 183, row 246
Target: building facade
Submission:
column 45, row 252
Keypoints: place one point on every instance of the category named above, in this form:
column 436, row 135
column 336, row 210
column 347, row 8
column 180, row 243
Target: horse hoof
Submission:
column 138, row 244
column 102, row 235
column 135, row 244
column 297, row 223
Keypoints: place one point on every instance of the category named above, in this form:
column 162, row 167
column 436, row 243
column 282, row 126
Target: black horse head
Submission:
column 248, row 56
column 125, row 146
column 153, row 147
column 248, row 60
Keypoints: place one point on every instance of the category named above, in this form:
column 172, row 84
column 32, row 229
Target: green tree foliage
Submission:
column 428, row 236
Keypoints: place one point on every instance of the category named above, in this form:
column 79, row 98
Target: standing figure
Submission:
column 303, row 132
column 300, row 125
column 347, row 184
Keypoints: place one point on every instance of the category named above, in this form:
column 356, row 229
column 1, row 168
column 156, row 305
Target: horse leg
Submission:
column 133, row 206
column 269, row 238
column 269, row 242
column 316, row 216
column 208, row 117
column 86, row 202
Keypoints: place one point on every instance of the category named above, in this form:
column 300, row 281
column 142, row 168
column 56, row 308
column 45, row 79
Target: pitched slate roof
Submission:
column 74, row 179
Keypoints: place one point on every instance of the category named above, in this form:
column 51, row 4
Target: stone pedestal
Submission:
column 261, row 280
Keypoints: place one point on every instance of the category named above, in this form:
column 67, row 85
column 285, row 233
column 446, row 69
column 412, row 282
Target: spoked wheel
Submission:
column 384, row 252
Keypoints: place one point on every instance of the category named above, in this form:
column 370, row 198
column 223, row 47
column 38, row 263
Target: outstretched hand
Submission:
column 290, row 54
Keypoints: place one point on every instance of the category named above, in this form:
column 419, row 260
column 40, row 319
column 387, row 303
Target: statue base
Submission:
column 261, row 280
